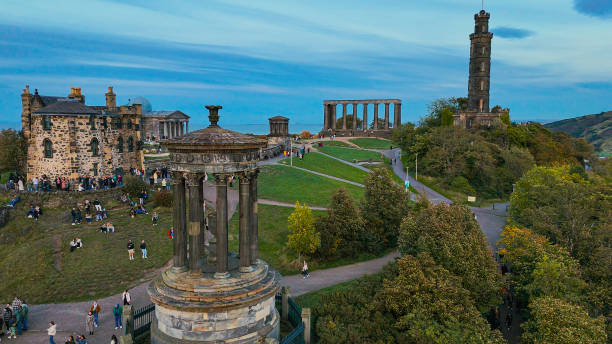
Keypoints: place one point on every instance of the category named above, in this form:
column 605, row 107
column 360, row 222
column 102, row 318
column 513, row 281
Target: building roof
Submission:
column 146, row 104
column 48, row 100
column 164, row 113
column 278, row 118
column 67, row 107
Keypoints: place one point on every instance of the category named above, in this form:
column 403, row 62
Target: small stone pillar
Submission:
column 386, row 116
column 245, row 222
column 306, row 321
column 397, row 118
column 375, row 116
column 221, row 232
column 364, row 123
column 285, row 302
column 128, row 319
column 334, row 119
column 195, row 209
column 326, row 116
column 180, row 235
column 343, row 116
column 254, row 232
column 354, row 116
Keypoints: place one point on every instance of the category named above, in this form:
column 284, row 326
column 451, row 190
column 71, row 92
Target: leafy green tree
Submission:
column 404, row 136
column 133, row 185
column 451, row 235
column 559, row 278
column 554, row 321
column 13, row 151
column 384, row 206
column 342, row 230
column 349, row 122
column 303, row 238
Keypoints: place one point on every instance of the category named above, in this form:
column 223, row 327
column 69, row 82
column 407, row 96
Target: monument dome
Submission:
column 146, row 104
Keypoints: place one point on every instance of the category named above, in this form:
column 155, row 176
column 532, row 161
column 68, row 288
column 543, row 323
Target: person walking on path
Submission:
column 127, row 300
column 95, row 310
column 117, row 312
column 51, row 332
column 130, row 248
column 89, row 323
column 143, row 248
column 305, row 273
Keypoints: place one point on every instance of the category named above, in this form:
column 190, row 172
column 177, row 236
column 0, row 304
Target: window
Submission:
column 482, row 66
column 483, row 50
column 130, row 144
column 95, row 149
column 120, row 145
column 46, row 122
column 129, row 124
column 481, row 104
column 48, row 146
column 92, row 121
column 95, row 169
column 482, row 85
column 116, row 123
column 104, row 123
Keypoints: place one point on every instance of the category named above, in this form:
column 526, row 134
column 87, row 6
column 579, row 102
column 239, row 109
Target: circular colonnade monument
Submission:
column 214, row 296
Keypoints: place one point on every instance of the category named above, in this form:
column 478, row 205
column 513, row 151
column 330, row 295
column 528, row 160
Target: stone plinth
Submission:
column 205, row 309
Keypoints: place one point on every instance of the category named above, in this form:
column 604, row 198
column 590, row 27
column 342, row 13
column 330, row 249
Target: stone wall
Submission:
column 71, row 139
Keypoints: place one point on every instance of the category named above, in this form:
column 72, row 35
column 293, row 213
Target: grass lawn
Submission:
column 351, row 154
column 320, row 163
column 285, row 184
column 371, row 143
column 38, row 265
column 335, row 143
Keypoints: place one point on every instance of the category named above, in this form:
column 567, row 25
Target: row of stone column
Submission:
column 279, row 129
column 330, row 116
column 174, row 128
column 188, row 233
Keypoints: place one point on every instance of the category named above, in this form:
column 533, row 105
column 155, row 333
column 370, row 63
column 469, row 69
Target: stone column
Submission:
column 386, row 115
column 325, row 116
column 364, row 123
column 165, row 129
column 178, row 218
column 195, row 209
column 334, row 119
column 186, row 126
column 343, row 116
column 254, row 233
column 397, row 114
column 202, row 216
column 221, row 185
column 375, row 116
column 180, row 128
column 354, row 117
column 245, row 222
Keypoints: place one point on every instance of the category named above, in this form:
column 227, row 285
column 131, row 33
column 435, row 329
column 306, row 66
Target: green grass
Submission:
column 371, row 143
column 320, row 163
column 285, row 184
column 351, row 154
column 310, row 300
column 335, row 143
column 29, row 265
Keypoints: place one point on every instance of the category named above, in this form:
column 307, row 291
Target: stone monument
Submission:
column 214, row 296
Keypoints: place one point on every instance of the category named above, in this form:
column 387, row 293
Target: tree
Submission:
column 384, row 206
column 13, row 151
column 342, row 230
column 451, row 235
column 404, row 136
column 554, row 321
column 349, row 122
column 303, row 238
column 305, row 134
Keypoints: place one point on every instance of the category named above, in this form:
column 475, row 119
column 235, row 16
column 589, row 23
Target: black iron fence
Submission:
column 142, row 320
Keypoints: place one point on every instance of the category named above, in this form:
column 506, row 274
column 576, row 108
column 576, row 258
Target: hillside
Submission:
column 596, row 129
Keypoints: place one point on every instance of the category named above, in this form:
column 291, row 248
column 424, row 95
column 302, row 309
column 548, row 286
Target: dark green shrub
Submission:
column 163, row 199
column 133, row 186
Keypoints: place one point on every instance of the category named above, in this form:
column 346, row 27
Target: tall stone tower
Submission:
column 480, row 64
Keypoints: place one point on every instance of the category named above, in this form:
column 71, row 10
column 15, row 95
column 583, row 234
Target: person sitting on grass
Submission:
column 99, row 216
column 97, row 204
column 107, row 227
column 104, row 213
column 37, row 212
column 30, row 213
column 171, row 233
column 124, row 198
column 79, row 243
column 88, row 217
column 155, row 218
column 13, row 201
column 132, row 213
column 82, row 340
column 73, row 245
column 141, row 209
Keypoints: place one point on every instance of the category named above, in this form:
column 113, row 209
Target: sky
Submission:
column 550, row 58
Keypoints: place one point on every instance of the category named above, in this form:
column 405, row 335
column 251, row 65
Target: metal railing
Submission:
column 142, row 320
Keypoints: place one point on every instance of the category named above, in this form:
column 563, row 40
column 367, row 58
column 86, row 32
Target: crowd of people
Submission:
column 14, row 318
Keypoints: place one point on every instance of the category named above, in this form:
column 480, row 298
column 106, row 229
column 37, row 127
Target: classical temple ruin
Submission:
column 348, row 126
column 211, row 295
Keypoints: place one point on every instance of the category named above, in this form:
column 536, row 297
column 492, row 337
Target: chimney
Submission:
column 111, row 102
column 75, row 93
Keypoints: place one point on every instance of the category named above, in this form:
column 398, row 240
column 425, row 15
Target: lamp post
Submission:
column 416, row 167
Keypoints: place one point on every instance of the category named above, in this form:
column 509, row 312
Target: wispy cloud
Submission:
column 511, row 32
column 594, row 8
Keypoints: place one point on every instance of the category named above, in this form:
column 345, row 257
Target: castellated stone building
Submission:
column 67, row 138
column 477, row 112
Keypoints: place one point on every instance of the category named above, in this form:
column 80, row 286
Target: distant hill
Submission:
column 596, row 129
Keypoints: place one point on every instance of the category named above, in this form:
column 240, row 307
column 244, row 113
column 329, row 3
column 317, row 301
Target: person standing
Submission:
column 95, row 310
column 130, row 248
column 127, row 300
column 155, row 218
column 143, row 248
column 35, row 183
column 118, row 312
column 305, row 270
column 89, row 323
column 51, row 332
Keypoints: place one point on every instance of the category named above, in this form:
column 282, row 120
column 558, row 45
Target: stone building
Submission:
column 67, row 138
column 164, row 124
column 210, row 295
column 361, row 126
column 477, row 112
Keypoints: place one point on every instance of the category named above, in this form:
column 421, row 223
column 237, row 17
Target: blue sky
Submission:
column 551, row 58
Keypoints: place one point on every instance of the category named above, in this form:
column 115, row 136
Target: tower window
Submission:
column 120, row 145
column 129, row 124
column 482, row 66
column 481, row 104
column 48, row 148
column 130, row 144
column 482, row 85
column 46, row 122
column 95, row 147
column 92, row 121
column 483, row 50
